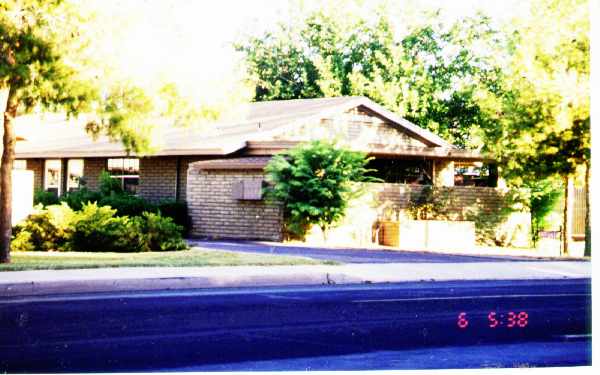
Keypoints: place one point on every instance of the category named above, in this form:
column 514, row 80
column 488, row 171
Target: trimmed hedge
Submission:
column 123, row 203
column 96, row 228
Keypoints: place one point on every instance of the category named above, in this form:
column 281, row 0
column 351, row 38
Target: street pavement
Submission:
column 484, row 356
column 355, row 255
column 403, row 325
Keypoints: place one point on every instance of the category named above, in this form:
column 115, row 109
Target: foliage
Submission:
column 542, row 109
column 47, row 229
column 126, row 204
column 159, row 233
column 314, row 182
column 44, row 197
column 95, row 228
column 543, row 197
column 108, row 185
column 77, row 198
column 176, row 210
column 431, row 203
column 46, row 63
column 431, row 75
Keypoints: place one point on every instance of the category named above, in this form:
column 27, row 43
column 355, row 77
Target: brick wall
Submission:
column 92, row 167
column 158, row 178
column 216, row 214
column 499, row 220
column 37, row 166
column 393, row 198
column 158, row 175
column 184, row 163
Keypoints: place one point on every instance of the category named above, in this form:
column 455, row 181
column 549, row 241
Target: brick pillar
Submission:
column 443, row 173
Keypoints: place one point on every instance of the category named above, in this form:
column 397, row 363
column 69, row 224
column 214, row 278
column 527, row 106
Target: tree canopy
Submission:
column 429, row 76
column 46, row 64
column 542, row 110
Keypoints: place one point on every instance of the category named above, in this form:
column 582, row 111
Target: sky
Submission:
column 190, row 42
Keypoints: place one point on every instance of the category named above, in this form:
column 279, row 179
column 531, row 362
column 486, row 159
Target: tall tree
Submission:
column 542, row 111
column 429, row 75
column 38, row 40
column 46, row 64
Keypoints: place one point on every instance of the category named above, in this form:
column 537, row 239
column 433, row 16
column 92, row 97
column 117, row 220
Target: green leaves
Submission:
column 542, row 109
column 430, row 75
column 315, row 181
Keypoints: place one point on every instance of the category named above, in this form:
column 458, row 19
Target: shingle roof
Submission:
column 258, row 121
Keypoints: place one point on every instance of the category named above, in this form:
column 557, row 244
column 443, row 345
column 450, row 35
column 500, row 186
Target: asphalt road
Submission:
column 352, row 255
column 407, row 325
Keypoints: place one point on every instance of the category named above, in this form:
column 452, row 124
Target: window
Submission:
column 126, row 170
column 471, row 174
column 52, row 175
column 74, row 173
column 402, row 171
column 20, row 164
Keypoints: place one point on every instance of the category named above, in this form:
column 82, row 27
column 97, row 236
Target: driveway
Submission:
column 350, row 255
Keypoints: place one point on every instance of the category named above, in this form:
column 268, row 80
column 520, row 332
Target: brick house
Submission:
column 213, row 169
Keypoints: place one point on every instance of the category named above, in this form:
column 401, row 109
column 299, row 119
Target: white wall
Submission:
column 22, row 195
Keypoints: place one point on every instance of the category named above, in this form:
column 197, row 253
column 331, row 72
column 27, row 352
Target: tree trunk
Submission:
column 6, row 166
column 566, row 227
column 588, row 225
column 324, row 230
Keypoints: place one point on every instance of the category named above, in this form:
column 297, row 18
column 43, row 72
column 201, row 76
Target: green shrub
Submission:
column 176, row 210
column 97, row 229
column 76, row 199
column 45, row 198
column 109, row 185
column 314, row 182
column 159, row 233
column 126, row 204
column 48, row 229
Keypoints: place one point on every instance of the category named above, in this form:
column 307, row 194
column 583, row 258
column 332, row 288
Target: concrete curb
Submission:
column 27, row 283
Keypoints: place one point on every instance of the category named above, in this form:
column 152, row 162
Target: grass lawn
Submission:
column 187, row 258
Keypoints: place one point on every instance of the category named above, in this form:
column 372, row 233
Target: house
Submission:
column 199, row 162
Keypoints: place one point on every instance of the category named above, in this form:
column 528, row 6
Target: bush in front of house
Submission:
column 315, row 181
column 176, row 210
column 158, row 233
column 77, row 198
column 45, row 198
column 111, row 194
column 127, row 204
column 95, row 229
column 48, row 229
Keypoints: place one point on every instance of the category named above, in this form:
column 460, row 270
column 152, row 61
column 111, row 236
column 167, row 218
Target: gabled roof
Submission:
column 54, row 136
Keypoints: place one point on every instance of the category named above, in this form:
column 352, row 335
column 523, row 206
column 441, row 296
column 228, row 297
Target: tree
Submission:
column 543, row 196
column 430, row 75
column 38, row 40
column 45, row 64
column 314, row 182
column 542, row 110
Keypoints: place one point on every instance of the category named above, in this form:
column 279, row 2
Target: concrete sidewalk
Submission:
column 22, row 283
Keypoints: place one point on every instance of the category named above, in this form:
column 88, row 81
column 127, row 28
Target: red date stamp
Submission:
column 510, row 319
